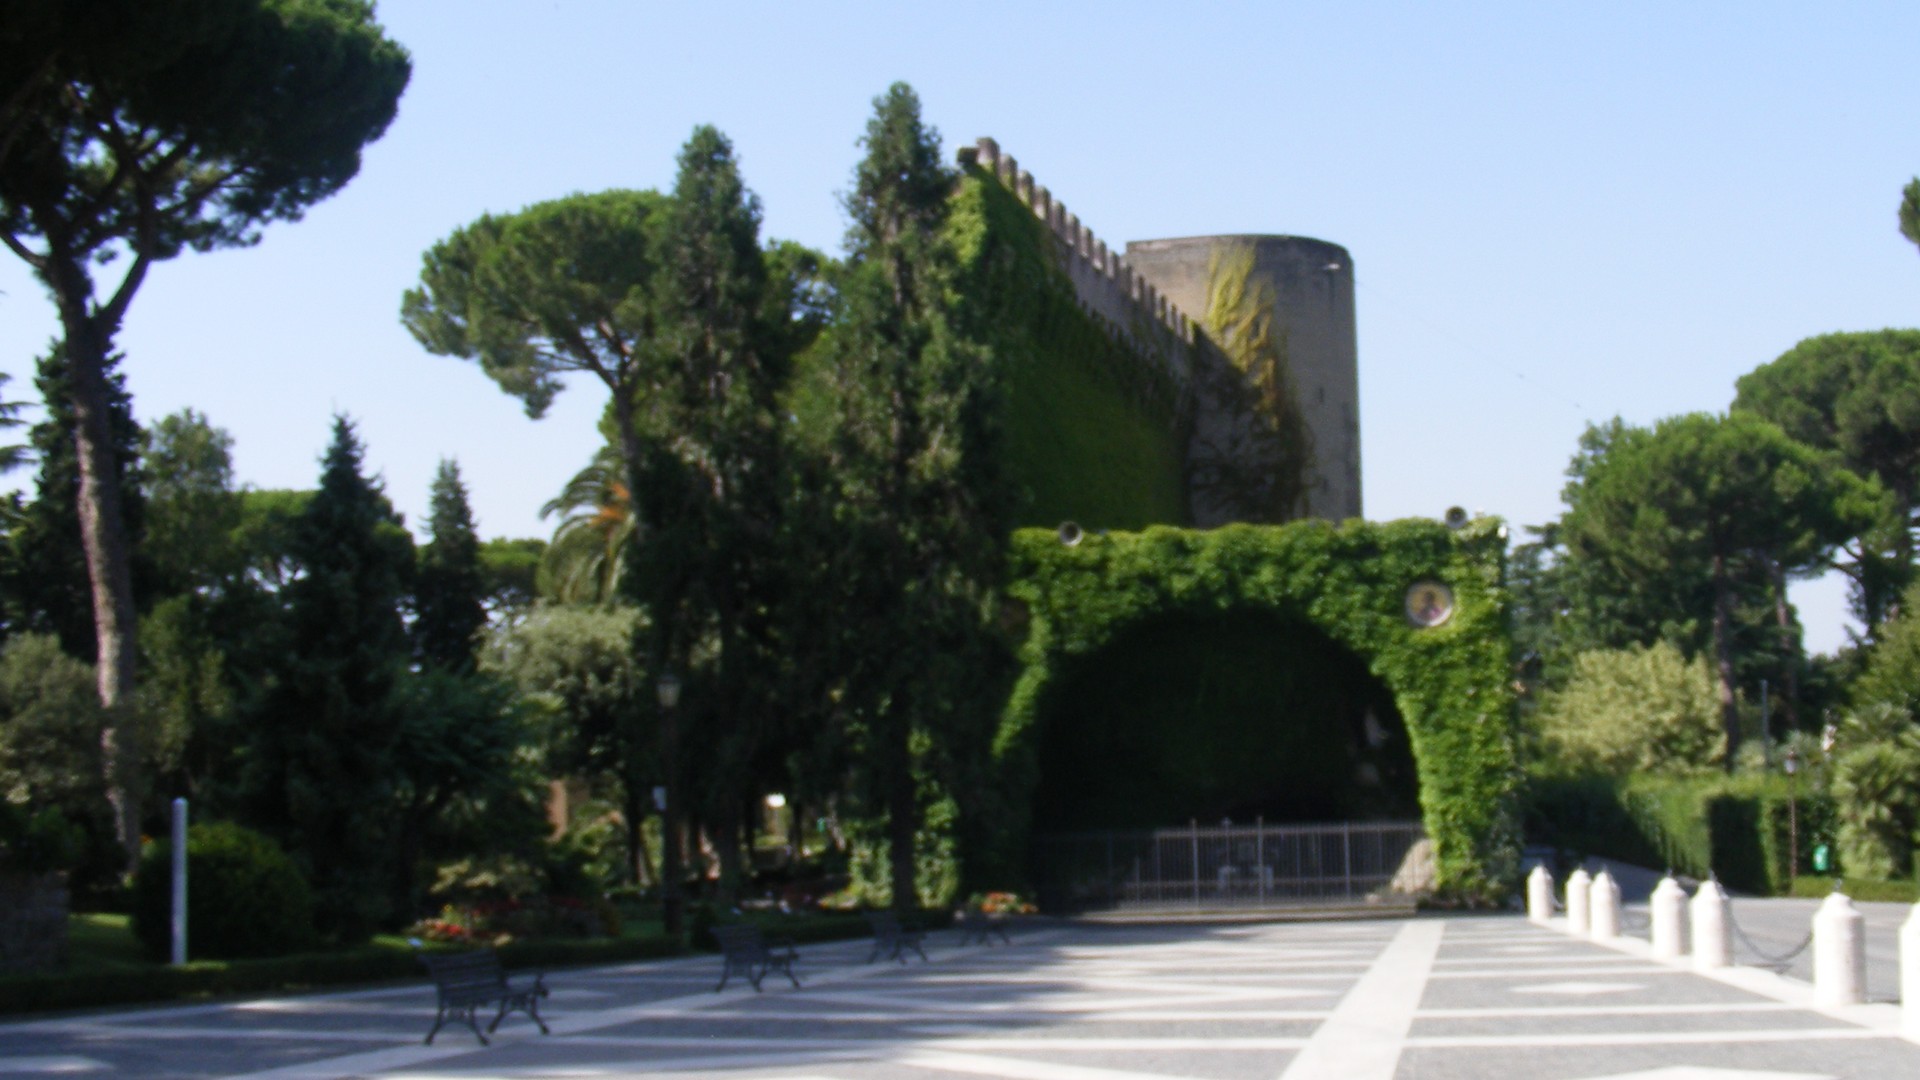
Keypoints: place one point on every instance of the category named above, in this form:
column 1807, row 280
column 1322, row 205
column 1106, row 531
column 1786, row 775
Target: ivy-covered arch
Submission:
column 1450, row 681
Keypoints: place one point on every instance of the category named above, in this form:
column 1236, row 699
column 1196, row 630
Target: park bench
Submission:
column 744, row 951
column 891, row 938
column 977, row 925
column 469, row 981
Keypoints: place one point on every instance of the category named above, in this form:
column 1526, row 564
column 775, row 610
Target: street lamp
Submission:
column 1792, row 765
column 667, row 686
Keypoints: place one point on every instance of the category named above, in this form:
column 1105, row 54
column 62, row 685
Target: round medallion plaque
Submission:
column 1429, row 603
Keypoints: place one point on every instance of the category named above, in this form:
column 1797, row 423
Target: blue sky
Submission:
column 1557, row 213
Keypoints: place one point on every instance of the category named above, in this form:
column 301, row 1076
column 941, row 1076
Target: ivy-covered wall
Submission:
column 1350, row 581
column 1094, row 432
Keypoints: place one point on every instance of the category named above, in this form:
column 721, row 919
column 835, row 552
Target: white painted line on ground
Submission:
column 1571, row 969
column 944, row 1043
column 233, row 1034
column 1016, row 1069
column 51, row 1064
column 1704, row 1073
column 1651, row 1009
column 974, row 1021
column 1577, row 988
column 1641, row 1038
column 1361, row 1040
column 1532, row 960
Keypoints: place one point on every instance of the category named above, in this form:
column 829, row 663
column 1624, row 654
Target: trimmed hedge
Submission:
column 1736, row 828
column 1862, row 889
column 1350, row 582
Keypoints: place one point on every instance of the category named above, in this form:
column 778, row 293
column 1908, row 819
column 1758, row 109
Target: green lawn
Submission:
column 103, row 943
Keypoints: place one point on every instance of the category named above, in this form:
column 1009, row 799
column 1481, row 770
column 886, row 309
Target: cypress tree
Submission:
column 711, row 495
column 922, row 508
column 449, row 611
column 320, row 770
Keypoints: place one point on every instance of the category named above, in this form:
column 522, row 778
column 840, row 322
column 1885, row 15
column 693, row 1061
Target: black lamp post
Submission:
column 1792, row 765
column 667, row 686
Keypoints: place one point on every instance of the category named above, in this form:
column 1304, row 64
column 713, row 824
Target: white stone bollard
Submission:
column 1579, row 894
column 1540, row 896
column 1839, row 952
column 1604, row 907
column 1910, row 974
column 1712, row 928
column 1667, row 911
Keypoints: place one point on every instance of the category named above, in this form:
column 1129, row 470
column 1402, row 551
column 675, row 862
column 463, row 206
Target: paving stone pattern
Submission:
column 1417, row 999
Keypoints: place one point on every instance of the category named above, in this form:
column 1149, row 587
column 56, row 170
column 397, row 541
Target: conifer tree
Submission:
column 449, row 609
column 710, row 495
column 922, row 509
column 320, row 769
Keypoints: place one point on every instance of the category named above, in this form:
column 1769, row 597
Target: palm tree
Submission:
column 583, row 563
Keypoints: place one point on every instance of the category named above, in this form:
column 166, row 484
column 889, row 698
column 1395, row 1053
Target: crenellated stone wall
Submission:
column 1138, row 297
column 1106, row 285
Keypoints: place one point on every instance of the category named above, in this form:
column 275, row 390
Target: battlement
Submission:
column 1107, row 287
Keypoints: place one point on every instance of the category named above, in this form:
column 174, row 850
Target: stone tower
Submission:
column 1312, row 284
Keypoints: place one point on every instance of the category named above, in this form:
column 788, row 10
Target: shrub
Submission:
column 1636, row 710
column 1736, row 828
column 245, row 897
column 1876, row 784
column 37, row 842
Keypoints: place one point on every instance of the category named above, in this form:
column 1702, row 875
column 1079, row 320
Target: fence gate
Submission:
column 1231, row 867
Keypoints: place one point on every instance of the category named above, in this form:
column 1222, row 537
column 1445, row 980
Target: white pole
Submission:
column 1712, row 928
column 1910, row 974
column 1668, row 909
column 1604, row 915
column 1839, row 952
column 1579, row 893
column 179, row 881
column 1540, row 896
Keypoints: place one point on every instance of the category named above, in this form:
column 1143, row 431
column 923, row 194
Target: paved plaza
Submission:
column 1428, row 998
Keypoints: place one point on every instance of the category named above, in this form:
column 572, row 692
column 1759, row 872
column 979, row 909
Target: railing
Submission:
column 1228, row 866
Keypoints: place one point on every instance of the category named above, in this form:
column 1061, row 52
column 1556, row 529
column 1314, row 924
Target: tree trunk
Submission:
column 902, row 805
column 726, row 852
column 660, row 656
column 643, row 859
column 1789, row 650
column 103, row 538
column 633, row 815
column 1723, row 655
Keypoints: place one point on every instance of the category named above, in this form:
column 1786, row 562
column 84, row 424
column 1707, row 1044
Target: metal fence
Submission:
column 1229, row 866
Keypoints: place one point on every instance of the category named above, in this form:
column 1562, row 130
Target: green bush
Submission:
column 1584, row 813
column 245, row 897
column 1635, row 710
column 1863, row 889
column 37, row 841
column 1876, row 781
column 1737, row 828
